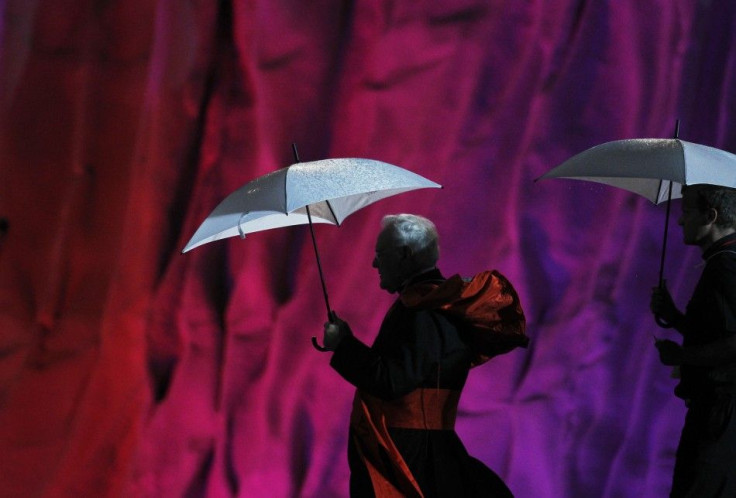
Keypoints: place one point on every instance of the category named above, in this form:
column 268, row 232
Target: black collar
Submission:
column 724, row 243
column 424, row 276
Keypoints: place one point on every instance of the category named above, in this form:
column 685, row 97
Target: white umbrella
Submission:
column 326, row 191
column 331, row 190
column 647, row 166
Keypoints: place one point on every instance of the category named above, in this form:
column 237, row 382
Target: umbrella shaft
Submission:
column 319, row 264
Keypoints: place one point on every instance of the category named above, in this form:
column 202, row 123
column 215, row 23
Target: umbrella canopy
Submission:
column 327, row 191
column 646, row 166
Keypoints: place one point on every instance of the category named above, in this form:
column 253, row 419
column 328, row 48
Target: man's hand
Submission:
column 663, row 306
column 670, row 353
column 334, row 332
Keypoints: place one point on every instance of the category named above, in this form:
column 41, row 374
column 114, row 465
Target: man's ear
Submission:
column 711, row 216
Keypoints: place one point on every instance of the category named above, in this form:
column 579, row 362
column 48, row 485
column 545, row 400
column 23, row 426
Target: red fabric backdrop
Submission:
column 128, row 369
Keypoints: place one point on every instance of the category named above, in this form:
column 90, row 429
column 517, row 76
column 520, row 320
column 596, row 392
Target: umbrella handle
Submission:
column 317, row 346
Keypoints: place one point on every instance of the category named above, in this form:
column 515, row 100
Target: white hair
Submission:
column 418, row 234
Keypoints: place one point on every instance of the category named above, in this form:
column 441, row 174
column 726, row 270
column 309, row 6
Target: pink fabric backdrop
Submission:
column 127, row 369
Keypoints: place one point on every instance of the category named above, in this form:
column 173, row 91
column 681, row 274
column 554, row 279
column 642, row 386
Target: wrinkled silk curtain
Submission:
column 128, row 369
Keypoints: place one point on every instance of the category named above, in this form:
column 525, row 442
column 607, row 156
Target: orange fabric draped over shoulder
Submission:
column 487, row 304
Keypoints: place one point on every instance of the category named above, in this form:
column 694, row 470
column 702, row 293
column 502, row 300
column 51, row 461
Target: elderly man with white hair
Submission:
column 408, row 383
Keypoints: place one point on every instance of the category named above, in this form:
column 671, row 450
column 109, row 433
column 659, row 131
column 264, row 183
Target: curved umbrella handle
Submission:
column 317, row 346
column 331, row 319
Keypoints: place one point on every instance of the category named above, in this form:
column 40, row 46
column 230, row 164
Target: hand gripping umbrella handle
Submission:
column 316, row 345
column 331, row 319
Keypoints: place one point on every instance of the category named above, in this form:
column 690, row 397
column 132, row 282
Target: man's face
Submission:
column 694, row 220
column 390, row 261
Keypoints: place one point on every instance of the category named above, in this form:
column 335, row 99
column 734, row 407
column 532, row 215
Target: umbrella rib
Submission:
column 332, row 212
column 286, row 184
column 241, row 233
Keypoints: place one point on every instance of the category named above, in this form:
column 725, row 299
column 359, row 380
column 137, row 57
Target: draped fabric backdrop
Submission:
column 130, row 370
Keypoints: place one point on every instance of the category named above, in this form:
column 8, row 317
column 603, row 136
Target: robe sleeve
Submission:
column 410, row 357
column 726, row 300
column 714, row 316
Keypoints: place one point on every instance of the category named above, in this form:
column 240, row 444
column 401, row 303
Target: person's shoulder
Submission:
column 723, row 261
column 430, row 318
column 721, row 270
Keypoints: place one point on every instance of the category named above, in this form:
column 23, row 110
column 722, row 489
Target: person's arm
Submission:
column 712, row 354
column 721, row 302
column 396, row 372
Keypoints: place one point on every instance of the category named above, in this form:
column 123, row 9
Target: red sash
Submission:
column 427, row 409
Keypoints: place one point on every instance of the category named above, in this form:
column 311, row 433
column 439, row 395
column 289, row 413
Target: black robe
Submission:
column 705, row 465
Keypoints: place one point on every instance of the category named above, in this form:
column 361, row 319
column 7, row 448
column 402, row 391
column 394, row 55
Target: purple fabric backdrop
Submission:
column 127, row 369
